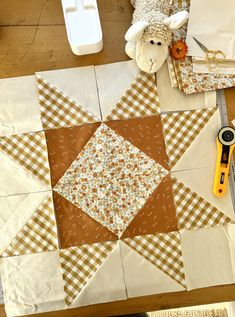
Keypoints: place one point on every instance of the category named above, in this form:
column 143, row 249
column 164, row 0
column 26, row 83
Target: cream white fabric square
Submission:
column 207, row 257
column 32, row 284
column 19, row 106
column 215, row 29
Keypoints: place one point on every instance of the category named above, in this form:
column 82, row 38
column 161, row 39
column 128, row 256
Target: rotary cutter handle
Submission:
column 225, row 146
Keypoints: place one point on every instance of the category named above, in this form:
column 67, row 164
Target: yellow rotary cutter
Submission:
column 225, row 147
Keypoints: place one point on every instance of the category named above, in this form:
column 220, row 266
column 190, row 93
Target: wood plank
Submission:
column 109, row 10
column 23, row 12
column 47, row 48
column 2, row 311
column 150, row 303
column 153, row 303
column 31, row 12
column 52, row 13
column 38, row 12
column 115, row 10
column 12, row 36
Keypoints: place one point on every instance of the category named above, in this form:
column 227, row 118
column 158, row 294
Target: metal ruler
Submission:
column 221, row 102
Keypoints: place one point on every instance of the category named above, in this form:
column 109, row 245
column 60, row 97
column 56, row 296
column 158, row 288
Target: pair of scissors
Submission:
column 213, row 58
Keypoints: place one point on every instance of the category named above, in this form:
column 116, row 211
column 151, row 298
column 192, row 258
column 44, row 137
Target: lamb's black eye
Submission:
column 159, row 43
column 152, row 42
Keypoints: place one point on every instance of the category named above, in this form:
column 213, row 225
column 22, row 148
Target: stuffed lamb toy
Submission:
column 150, row 35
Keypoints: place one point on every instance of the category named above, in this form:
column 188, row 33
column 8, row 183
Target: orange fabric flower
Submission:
column 179, row 50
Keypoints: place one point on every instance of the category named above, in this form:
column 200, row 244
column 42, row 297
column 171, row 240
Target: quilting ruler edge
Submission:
column 221, row 102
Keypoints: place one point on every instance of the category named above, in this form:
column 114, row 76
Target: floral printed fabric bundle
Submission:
column 182, row 71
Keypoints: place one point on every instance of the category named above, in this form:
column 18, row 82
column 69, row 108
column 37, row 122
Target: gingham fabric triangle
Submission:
column 30, row 151
column 140, row 100
column 38, row 235
column 58, row 110
column 79, row 264
column 162, row 250
column 194, row 212
column 180, row 130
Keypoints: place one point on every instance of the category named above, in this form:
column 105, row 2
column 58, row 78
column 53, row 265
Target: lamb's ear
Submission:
column 176, row 20
column 136, row 31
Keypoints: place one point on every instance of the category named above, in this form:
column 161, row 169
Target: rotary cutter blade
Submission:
column 225, row 146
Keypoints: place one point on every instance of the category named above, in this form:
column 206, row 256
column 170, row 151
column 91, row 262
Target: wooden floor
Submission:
column 33, row 38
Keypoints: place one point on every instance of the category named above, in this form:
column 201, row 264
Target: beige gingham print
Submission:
column 181, row 128
column 38, row 235
column 30, row 151
column 58, row 110
column 79, row 264
column 140, row 100
column 194, row 212
column 172, row 75
column 164, row 251
column 178, row 74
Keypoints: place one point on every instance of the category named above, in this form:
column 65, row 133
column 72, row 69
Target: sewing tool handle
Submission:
column 221, row 175
column 225, row 146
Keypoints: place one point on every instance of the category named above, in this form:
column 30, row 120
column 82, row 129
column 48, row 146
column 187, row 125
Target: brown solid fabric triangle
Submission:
column 194, row 212
column 57, row 109
column 140, row 100
column 98, row 180
column 38, row 235
column 144, row 133
column 163, row 251
column 76, row 227
column 64, row 145
column 157, row 215
column 180, row 130
column 79, row 264
column 30, row 151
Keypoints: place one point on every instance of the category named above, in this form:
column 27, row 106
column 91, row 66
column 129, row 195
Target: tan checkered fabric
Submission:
column 194, row 212
column 172, row 74
column 180, row 130
column 79, row 264
column 140, row 100
column 162, row 250
column 38, row 235
column 58, row 110
column 178, row 74
column 30, row 151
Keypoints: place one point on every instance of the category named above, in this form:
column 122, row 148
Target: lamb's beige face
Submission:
column 151, row 55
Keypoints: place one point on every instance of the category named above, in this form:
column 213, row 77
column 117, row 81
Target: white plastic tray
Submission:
column 83, row 26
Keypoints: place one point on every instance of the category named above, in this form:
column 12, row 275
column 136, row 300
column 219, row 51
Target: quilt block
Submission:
column 105, row 200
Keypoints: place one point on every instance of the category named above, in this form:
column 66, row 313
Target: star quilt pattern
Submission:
column 109, row 193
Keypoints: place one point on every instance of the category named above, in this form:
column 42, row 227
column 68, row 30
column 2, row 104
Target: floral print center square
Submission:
column 110, row 180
